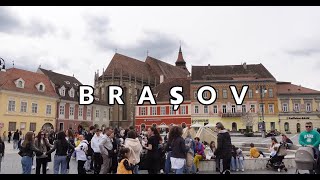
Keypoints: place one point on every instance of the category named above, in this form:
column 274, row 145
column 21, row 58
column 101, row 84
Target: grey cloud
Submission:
column 11, row 24
column 97, row 24
column 304, row 52
column 158, row 45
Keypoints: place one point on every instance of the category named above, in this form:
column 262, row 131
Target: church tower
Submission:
column 180, row 61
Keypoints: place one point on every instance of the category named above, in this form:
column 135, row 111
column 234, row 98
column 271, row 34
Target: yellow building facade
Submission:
column 297, row 105
column 28, row 102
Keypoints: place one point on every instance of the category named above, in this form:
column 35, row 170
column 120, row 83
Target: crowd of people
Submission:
column 124, row 151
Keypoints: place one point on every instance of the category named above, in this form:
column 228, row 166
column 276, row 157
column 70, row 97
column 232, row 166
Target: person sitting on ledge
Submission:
column 254, row 152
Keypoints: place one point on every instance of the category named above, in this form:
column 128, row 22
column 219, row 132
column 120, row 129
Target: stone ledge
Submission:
column 249, row 164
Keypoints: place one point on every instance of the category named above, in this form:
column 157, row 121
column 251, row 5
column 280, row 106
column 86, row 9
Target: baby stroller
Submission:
column 305, row 160
column 276, row 162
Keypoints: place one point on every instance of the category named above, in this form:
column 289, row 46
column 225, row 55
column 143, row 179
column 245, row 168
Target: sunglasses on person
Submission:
column 308, row 126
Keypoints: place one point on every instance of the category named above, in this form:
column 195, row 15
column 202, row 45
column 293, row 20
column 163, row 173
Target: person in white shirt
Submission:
column 81, row 154
column 97, row 158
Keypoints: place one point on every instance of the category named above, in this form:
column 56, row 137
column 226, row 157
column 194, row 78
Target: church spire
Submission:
column 180, row 61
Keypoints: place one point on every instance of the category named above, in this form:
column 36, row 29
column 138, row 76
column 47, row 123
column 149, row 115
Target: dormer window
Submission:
column 76, row 84
column 67, row 82
column 41, row 87
column 19, row 83
column 71, row 92
column 62, row 91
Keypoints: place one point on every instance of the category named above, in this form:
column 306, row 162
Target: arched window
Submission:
column 234, row 126
column 286, row 126
column 41, row 87
column 20, row 84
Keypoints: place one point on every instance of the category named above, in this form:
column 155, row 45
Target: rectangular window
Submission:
column 80, row 112
column 270, row 93
column 143, row 111
column 12, row 126
column 206, row 94
column 196, row 109
column 253, row 108
column 224, row 93
column 23, row 107
column 224, row 109
column 88, row 113
column 217, row 91
column 285, row 107
column 183, row 110
column 261, row 108
column 61, row 110
column 205, row 109
column 271, row 108
column 163, row 110
column 250, row 93
column 296, row 107
column 71, row 111
column 195, row 94
column 12, row 105
column 153, row 110
column 97, row 113
column 233, row 108
column 244, row 108
column 22, row 126
column 48, row 109
column 215, row 109
column 34, row 108
column 308, row 107
column 171, row 110
column 33, row 126
column 104, row 114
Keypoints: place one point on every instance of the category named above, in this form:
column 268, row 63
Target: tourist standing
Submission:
column 41, row 160
column 134, row 145
column 179, row 150
column 153, row 155
column 26, row 152
column 97, row 158
column 105, row 148
column 81, row 151
column 9, row 136
column 224, row 148
column 16, row 138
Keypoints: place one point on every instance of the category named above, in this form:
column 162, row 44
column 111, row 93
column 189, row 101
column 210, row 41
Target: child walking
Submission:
column 124, row 167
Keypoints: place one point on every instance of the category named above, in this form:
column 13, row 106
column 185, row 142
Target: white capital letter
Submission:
column 113, row 96
column 177, row 97
column 212, row 97
column 85, row 95
column 146, row 91
column 239, row 100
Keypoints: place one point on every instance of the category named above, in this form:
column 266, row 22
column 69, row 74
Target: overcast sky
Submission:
column 81, row 40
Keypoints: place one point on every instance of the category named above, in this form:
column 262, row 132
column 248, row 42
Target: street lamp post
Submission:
column 262, row 90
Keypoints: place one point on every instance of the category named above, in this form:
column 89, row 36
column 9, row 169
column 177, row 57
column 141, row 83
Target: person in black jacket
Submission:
column 9, row 136
column 88, row 137
column 2, row 148
column 15, row 139
column 26, row 152
column 61, row 146
column 179, row 150
column 224, row 148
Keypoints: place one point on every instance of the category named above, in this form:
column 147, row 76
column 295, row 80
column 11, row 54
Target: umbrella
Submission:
column 196, row 125
column 163, row 126
column 210, row 125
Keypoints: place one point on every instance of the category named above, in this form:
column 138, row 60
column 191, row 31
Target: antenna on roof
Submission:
column 13, row 64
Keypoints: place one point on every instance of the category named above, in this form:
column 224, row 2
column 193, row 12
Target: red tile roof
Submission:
column 8, row 78
column 162, row 91
column 152, row 68
column 231, row 72
column 288, row 88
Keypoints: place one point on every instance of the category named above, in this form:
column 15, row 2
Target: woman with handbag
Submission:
column 26, row 152
column 41, row 160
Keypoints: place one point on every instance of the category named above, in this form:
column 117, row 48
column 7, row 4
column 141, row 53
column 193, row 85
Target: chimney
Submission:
column 208, row 66
column 161, row 78
column 244, row 65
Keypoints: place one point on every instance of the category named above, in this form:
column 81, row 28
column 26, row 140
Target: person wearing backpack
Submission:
column 81, row 154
